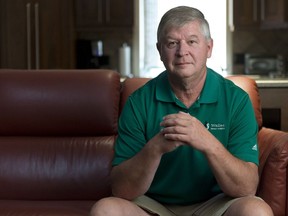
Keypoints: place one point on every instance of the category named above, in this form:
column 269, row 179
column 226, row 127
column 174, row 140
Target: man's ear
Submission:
column 210, row 48
column 158, row 46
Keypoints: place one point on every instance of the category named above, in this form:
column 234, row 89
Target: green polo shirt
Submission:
column 184, row 176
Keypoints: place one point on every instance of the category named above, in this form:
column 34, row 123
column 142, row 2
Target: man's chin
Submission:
column 185, row 71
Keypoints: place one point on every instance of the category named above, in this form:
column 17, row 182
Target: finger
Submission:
column 177, row 121
column 176, row 115
column 184, row 113
column 174, row 130
column 180, row 138
column 172, row 122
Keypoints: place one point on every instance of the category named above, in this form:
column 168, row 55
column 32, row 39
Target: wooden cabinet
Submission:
column 274, row 13
column 36, row 34
column 265, row 14
column 98, row 15
column 245, row 13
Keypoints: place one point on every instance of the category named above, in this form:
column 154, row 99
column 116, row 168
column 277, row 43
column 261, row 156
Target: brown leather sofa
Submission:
column 57, row 130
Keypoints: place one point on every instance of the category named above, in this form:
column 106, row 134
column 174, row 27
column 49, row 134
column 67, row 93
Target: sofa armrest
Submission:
column 273, row 145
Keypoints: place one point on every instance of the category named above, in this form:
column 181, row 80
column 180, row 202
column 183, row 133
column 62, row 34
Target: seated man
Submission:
column 187, row 141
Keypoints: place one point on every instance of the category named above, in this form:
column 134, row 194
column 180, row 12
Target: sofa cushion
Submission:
column 59, row 102
column 55, row 168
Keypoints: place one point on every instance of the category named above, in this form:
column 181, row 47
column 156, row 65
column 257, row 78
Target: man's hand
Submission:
column 186, row 129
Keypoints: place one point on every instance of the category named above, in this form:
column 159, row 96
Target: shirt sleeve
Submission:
column 244, row 130
column 131, row 129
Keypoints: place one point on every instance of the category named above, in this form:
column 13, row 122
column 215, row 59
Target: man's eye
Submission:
column 171, row 44
column 191, row 42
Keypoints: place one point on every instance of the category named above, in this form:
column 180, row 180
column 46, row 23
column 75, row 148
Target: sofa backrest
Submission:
column 58, row 103
column 129, row 86
column 57, row 131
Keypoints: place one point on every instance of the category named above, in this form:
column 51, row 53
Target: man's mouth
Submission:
column 182, row 63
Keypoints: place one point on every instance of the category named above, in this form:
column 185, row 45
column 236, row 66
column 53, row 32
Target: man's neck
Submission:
column 189, row 89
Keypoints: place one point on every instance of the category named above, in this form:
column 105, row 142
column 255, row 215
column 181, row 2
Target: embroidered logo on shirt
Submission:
column 214, row 126
column 255, row 147
column 217, row 126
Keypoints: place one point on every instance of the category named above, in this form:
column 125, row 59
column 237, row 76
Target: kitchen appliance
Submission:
column 89, row 54
column 264, row 65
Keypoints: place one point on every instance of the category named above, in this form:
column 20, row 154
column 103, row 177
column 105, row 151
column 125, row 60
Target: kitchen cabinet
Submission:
column 262, row 14
column 245, row 13
column 274, row 13
column 36, row 34
column 98, row 15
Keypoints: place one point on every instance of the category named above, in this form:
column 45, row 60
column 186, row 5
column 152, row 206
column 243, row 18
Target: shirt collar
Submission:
column 163, row 87
column 209, row 93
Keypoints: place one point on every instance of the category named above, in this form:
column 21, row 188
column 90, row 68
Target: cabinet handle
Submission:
column 37, row 54
column 100, row 12
column 28, row 28
column 255, row 10
column 262, row 10
column 107, row 11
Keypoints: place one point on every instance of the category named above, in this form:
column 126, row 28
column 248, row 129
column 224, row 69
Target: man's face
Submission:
column 184, row 50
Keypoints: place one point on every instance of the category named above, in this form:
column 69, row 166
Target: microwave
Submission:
column 264, row 65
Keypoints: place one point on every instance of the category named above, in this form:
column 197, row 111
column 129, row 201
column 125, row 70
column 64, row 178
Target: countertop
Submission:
column 270, row 82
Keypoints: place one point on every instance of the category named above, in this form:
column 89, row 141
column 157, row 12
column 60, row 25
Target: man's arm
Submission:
column 133, row 177
column 235, row 177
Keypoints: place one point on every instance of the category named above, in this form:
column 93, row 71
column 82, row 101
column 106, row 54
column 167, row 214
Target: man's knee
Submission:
column 106, row 206
column 249, row 206
column 113, row 206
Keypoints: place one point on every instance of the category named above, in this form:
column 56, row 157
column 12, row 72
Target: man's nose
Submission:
column 183, row 48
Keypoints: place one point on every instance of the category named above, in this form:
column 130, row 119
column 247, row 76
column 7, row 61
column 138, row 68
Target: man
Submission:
column 187, row 140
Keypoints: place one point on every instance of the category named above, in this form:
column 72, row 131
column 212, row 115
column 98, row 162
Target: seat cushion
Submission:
column 45, row 208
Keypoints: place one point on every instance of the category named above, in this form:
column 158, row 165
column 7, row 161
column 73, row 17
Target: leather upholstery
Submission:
column 57, row 130
column 273, row 145
column 40, row 106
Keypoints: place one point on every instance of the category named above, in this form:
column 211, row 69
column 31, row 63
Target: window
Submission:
column 151, row 12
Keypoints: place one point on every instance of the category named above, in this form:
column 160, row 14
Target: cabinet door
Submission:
column 119, row 13
column 56, row 34
column 89, row 13
column 36, row 34
column 101, row 14
column 14, row 40
column 245, row 13
column 274, row 13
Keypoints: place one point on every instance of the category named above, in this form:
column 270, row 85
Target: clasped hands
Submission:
column 183, row 129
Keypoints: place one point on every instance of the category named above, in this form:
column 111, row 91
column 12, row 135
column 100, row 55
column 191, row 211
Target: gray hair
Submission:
column 179, row 16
